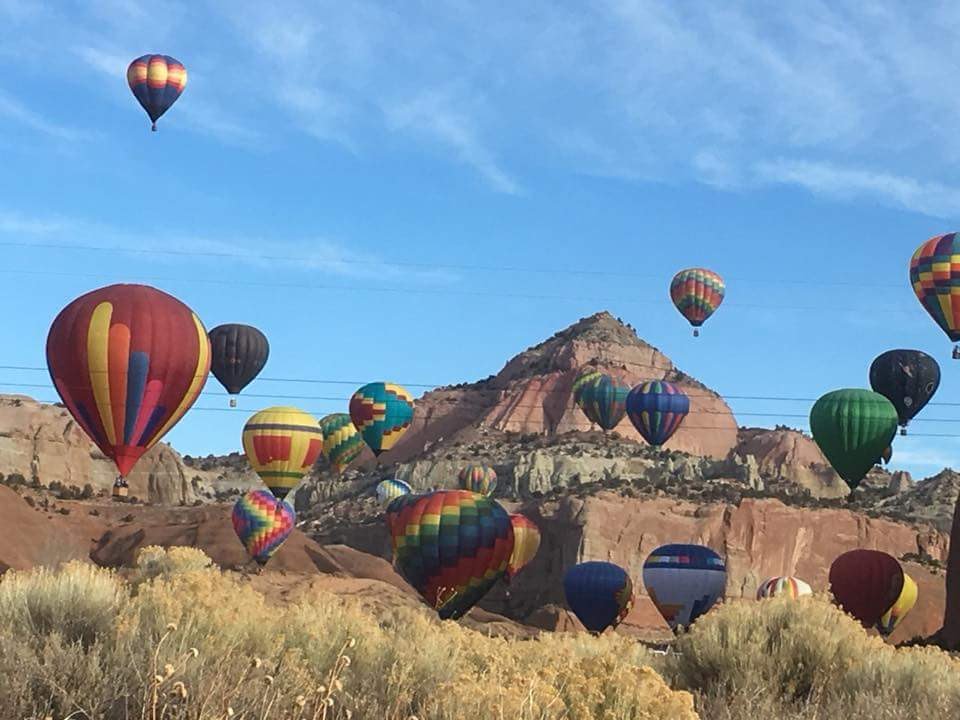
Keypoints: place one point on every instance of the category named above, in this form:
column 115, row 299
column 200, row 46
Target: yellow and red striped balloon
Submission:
column 526, row 542
column 156, row 81
column 282, row 444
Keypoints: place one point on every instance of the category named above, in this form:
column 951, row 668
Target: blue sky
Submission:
column 447, row 184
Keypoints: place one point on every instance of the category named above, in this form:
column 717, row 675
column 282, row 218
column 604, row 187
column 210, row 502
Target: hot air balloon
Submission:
column 599, row 593
column 389, row 490
column 697, row 293
column 282, row 444
column 853, row 427
column 526, row 542
column 932, row 277
column 128, row 362
column 239, row 354
column 656, row 410
column 905, row 602
column 382, row 412
column 866, row 584
column 787, row 585
column 156, row 81
column 452, row 546
column 263, row 523
column 479, row 479
column 342, row 443
column 602, row 399
column 684, row 581
column 908, row 379
column 584, row 378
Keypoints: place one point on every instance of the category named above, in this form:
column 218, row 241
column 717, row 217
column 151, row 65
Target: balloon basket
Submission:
column 903, row 431
column 233, row 402
column 696, row 333
column 956, row 352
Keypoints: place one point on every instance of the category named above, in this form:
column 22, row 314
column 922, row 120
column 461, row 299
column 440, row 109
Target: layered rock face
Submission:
column 45, row 445
column 532, row 395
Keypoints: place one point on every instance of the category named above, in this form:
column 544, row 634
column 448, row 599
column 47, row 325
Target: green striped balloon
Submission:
column 853, row 427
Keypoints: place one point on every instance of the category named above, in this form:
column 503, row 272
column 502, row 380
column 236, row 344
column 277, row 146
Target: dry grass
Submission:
column 807, row 660
column 182, row 640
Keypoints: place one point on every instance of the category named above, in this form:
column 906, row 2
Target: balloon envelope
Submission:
column 599, row 593
column 382, row 412
column 452, row 546
column 263, row 523
column 657, row 409
column 282, row 444
column 853, row 428
column 342, row 443
column 239, row 354
column 128, row 362
column 905, row 602
column 787, row 585
column 526, row 542
column 931, row 275
column 697, row 293
column 603, row 399
column 907, row 378
column 389, row 490
column 684, row 581
column 479, row 479
column 156, row 81
column 866, row 584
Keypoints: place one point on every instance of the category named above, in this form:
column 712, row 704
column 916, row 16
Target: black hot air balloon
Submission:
column 239, row 354
column 908, row 379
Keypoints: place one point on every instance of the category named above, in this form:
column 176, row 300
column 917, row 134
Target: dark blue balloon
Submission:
column 599, row 593
column 656, row 410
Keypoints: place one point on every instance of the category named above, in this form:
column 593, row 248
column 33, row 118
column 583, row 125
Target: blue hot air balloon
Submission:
column 599, row 593
column 656, row 410
column 684, row 581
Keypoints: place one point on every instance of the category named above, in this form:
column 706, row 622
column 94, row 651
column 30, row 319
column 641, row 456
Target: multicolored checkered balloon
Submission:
column 263, row 523
column 452, row 546
column 342, row 443
column 382, row 412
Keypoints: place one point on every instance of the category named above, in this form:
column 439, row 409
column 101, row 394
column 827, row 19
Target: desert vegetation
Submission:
column 177, row 638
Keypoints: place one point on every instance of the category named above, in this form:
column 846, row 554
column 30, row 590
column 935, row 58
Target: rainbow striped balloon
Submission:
column 156, row 81
column 479, row 479
column 697, row 293
column 452, row 546
column 785, row 585
column 263, row 523
column 656, row 410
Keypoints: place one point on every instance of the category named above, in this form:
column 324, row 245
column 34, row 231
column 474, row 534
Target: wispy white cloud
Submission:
column 930, row 197
column 13, row 109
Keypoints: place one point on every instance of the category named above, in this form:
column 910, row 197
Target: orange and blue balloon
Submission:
column 128, row 362
column 657, row 409
column 452, row 546
column 599, row 593
column 156, row 81
column 263, row 523
column 684, row 581
column 382, row 412
column 697, row 293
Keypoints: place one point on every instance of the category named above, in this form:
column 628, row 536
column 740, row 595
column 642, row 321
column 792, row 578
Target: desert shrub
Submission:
column 807, row 659
column 186, row 640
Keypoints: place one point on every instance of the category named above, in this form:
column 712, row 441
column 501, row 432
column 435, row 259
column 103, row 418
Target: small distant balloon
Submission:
column 781, row 586
column 697, row 293
column 684, row 581
column 602, row 398
column 389, row 490
column 479, row 479
column 526, row 542
column 657, row 409
column 156, row 81
column 263, row 523
column 382, row 412
column 599, row 593
column 342, row 442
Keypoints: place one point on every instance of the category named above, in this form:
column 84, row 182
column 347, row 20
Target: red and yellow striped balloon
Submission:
column 156, row 81
column 128, row 362
column 282, row 444
column 526, row 542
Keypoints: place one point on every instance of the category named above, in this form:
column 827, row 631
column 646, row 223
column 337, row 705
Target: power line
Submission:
column 409, row 264
column 180, row 280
